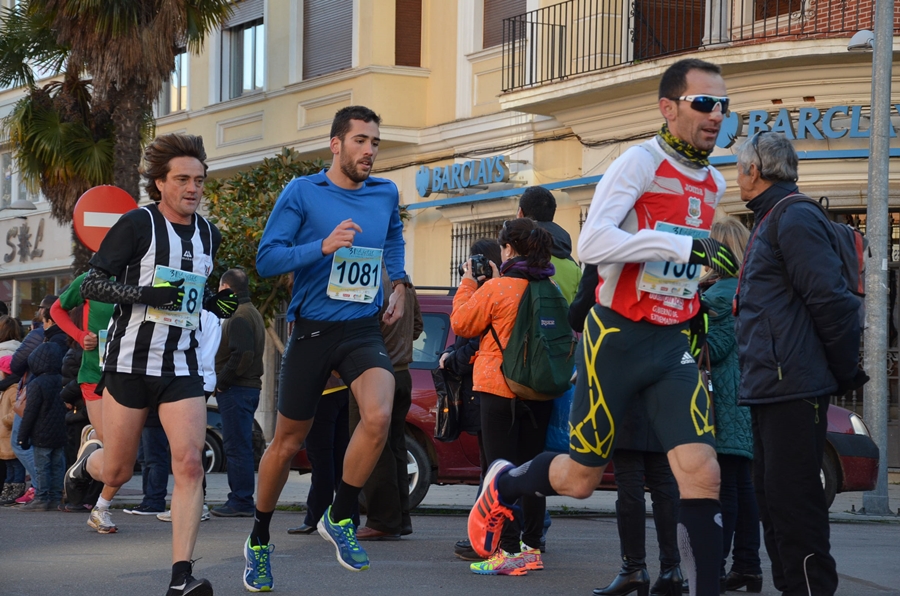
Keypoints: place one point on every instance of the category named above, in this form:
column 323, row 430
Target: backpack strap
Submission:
column 776, row 212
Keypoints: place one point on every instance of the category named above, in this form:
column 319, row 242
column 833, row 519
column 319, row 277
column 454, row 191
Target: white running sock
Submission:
column 103, row 503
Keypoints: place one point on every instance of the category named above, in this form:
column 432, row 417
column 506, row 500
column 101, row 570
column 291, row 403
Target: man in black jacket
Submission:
column 798, row 334
column 239, row 370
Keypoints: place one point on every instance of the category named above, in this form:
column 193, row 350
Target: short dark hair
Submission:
column 674, row 81
column 341, row 123
column 237, row 280
column 489, row 248
column 538, row 203
column 162, row 150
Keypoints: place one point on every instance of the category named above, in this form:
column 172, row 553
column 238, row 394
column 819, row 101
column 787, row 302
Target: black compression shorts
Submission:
column 143, row 391
column 620, row 360
column 316, row 348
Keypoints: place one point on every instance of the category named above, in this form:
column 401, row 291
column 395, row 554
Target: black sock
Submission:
column 179, row 570
column 344, row 501
column 700, row 544
column 529, row 479
column 259, row 536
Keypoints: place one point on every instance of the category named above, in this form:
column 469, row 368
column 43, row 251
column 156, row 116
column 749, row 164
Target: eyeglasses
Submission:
column 754, row 142
column 706, row 103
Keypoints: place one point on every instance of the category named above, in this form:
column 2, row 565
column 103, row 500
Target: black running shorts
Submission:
column 316, row 348
column 620, row 360
column 143, row 391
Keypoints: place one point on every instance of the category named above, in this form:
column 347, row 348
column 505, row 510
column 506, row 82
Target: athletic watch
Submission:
column 403, row 280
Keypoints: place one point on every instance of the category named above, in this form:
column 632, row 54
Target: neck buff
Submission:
column 682, row 151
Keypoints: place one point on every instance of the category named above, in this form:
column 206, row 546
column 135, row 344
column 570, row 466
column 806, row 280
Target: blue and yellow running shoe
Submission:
column 342, row 535
column 258, row 568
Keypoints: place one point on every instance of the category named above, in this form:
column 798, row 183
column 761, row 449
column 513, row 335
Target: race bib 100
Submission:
column 355, row 274
column 188, row 317
column 672, row 279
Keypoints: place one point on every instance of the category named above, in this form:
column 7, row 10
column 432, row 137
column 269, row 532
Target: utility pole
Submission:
column 878, row 231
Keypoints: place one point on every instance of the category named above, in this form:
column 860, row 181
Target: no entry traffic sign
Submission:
column 96, row 212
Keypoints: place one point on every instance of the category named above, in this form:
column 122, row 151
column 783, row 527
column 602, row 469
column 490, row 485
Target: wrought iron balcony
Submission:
column 585, row 36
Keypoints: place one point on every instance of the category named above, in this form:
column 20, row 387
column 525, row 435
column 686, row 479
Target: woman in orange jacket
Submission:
column 512, row 429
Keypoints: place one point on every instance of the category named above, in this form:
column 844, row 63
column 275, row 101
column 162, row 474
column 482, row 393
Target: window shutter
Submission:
column 327, row 36
column 494, row 13
column 408, row 33
column 244, row 12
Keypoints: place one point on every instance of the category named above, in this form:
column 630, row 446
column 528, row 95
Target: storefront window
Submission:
column 30, row 292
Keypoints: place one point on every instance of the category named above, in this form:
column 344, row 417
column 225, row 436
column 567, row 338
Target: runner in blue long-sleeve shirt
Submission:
column 332, row 230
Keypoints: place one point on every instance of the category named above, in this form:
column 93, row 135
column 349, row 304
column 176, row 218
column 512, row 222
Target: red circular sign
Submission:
column 96, row 212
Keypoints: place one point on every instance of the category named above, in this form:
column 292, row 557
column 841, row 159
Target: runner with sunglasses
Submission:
column 648, row 233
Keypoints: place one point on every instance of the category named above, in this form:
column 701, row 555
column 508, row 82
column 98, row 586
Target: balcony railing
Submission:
column 584, row 36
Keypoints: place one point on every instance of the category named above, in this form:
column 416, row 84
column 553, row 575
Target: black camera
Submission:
column 480, row 267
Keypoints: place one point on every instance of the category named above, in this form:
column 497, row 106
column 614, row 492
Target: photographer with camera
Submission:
column 512, row 429
column 459, row 359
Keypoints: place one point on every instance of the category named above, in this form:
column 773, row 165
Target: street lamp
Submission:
column 875, row 405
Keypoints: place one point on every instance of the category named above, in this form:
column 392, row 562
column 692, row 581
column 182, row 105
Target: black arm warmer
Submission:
column 98, row 286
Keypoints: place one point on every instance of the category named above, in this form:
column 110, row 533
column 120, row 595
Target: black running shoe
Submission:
column 78, row 482
column 188, row 586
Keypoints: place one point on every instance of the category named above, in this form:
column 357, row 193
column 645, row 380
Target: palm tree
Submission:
column 74, row 133
column 129, row 47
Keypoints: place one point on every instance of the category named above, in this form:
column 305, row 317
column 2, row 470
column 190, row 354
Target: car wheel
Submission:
column 828, row 474
column 419, row 470
column 213, row 460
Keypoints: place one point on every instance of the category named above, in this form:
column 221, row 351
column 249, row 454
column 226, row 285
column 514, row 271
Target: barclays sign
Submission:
column 457, row 176
column 807, row 123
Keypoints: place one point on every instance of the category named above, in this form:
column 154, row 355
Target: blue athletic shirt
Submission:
column 308, row 210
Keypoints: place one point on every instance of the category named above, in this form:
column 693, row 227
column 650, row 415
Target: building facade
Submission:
column 482, row 98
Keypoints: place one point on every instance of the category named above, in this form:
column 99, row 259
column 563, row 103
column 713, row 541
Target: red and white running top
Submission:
column 646, row 211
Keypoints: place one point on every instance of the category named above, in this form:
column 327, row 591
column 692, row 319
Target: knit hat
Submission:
column 6, row 364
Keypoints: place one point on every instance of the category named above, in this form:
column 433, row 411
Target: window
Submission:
column 428, row 346
column 12, row 185
column 664, row 27
column 463, row 236
column 767, row 9
column 173, row 97
column 327, row 36
column 408, row 33
column 243, row 51
column 494, row 13
column 248, row 58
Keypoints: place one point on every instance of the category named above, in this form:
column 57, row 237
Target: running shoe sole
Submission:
column 487, row 501
column 77, row 488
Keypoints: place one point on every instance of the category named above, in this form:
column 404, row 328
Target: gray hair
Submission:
column 779, row 159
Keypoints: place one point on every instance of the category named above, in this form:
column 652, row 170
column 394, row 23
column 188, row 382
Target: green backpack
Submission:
column 539, row 357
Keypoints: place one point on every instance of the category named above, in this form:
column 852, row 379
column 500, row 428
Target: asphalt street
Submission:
column 56, row 554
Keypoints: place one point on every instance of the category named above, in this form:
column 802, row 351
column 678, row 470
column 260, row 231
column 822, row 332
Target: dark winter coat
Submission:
column 71, row 391
column 19, row 363
column 460, row 362
column 799, row 344
column 734, row 433
column 44, row 422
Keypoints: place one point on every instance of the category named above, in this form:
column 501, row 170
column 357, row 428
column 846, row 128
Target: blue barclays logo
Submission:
column 458, row 176
column 802, row 123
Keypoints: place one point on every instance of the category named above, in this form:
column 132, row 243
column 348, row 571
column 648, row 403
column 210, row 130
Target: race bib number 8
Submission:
column 672, row 279
column 189, row 315
column 355, row 274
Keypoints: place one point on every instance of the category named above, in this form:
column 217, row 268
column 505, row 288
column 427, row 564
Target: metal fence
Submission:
column 583, row 36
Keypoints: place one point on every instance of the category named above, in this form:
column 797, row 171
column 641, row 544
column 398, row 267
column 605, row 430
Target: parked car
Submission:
column 214, row 459
column 851, row 456
column 850, row 463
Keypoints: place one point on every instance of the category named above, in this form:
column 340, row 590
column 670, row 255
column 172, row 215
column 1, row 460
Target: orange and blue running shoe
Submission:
column 532, row 557
column 501, row 563
column 486, row 518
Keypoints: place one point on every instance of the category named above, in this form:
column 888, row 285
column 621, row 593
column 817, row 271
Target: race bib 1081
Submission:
column 188, row 317
column 355, row 274
column 672, row 279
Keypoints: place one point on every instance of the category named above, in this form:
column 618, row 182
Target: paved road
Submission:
column 56, row 554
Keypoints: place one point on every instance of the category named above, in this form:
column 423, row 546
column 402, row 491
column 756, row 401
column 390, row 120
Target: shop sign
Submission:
column 458, row 176
column 24, row 242
column 805, row 123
